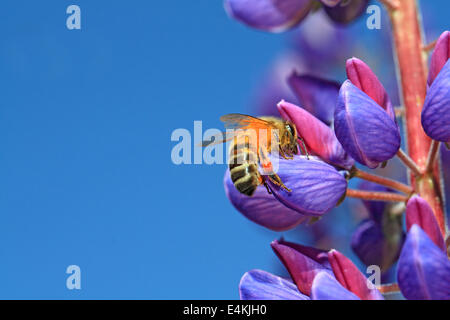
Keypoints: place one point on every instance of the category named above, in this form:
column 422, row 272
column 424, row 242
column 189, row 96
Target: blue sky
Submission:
column 86, row 176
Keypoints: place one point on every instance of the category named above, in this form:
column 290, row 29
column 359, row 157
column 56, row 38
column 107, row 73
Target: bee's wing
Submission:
column 218, row 138
column 242, row 121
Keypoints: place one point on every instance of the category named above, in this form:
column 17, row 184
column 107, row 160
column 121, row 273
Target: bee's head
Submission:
column 290, row 144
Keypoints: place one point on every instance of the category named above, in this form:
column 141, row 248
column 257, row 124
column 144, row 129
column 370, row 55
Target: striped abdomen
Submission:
column 243, row 164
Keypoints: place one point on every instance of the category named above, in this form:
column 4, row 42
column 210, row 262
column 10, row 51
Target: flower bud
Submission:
column 423, row 271
column 366, row 131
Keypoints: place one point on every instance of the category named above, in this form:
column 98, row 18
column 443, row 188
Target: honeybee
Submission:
column 254, row 140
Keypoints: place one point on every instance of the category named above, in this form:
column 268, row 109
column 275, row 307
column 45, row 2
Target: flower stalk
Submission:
column 383, row 181
column 407, row 161
column 432, row 155
column 376, row 196
column 412, row 69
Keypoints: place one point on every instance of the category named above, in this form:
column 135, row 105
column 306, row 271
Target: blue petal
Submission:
column 262, row 285
column 262, row 207
column 316, row 187
column 364, row 128
column 423, row 269
column 326, row 287
column 436, row 110
column 269, row 15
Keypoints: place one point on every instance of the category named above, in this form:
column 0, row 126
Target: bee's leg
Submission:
column 304, row 147
column 274, row 178
column 262, row 181
column 284, row 155
column 267, row 188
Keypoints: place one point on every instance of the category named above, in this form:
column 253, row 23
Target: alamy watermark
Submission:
column 216, row 147
column 74, row 19
column 73, row 281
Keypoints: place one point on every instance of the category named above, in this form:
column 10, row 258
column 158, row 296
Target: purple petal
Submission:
column 419, row 212
column 320, row 256
column 316, row 95
column 364, row 128
column 347, row 11
column 262, row 208
column 301, row 268
column 363, row 78
column 423, row 269
column 319, row 138
column 440, row 56
column 269, row 15
column 350, row 277
column 373, row 247
column 326, row 287
column 262, row 285
column 316, row 187
column 436, row 110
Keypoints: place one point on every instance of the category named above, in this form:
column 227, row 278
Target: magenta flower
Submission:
column 364, row 119
column 316, row 274
column 436, row 109
column 280, row 15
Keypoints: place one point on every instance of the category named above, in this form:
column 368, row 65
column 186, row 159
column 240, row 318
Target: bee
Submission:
column 254, row 139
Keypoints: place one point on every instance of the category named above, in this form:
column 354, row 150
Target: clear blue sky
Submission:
column 85, row 171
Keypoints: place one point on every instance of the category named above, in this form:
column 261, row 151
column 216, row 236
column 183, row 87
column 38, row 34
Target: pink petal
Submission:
column 363, row 77
column 440, row 56
column 319, row 139
column 419, row 212
column 350, row 277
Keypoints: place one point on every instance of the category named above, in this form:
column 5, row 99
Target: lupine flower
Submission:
column 317, row 274
column 316, row 185
column 280, row 15
column 378, row 239
column 364, row 119
column 423, row 268
column 436, row 109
